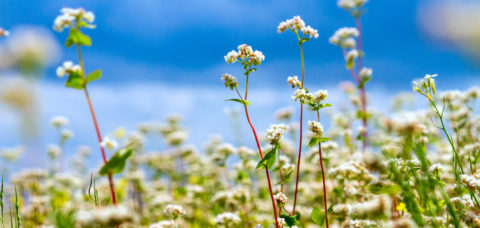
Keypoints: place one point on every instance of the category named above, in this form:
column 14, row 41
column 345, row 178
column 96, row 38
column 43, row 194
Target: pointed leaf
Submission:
column 269, row 159
column 316, row 140
column 74, row 81
column 244, row 102
column 117, row 162
column 318, row 216
column 93, row 76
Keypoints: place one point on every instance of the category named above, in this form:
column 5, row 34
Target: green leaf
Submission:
column 379, row 188
column 75, row 81
column 291, row 220
column 316, row 107
column 93, row 76
column 269, row 159
column 117, row 162
column 318, row 216
column 350, row 63
column 316, row 140
column 244, row 102
column 75, row 36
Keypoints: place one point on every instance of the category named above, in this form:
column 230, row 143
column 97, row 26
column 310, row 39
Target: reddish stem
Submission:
column 324, row 185
column 99, row 137
column 298, row 159
column 266, row 169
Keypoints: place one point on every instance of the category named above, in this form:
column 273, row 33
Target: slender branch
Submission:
column 95, row 123
column 323, row 177
column 301, row 132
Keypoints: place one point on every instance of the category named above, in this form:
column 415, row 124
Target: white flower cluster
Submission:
column 344, row 37
column 315, row 127
column 426, row 86
column 67, row 68
column 464, row 201
column 284, row 113
column 319, row 96
column 297, row 24
column 230, row 81
column 174, row 211
column 69, row 16
column 109, row 143
column 59, row 121
column 366, row 72
column 280, row 198
column 227, row 218
column 108, row 216
column 350, row 4
column 176, row 138
column 294, row 82
column 245, row 53
column 302, row 95
column 163, row 224
column 350, row 170
column 4, row 32
column 471, row 181
column 281, row 222
column 275, row 132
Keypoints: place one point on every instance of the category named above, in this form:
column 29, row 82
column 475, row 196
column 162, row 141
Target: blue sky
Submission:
column 160, row 57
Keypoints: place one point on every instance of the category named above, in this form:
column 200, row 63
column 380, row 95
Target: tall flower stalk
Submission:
column 76, row 19
column 353, row 51
column 249, row 59
column 304, row 33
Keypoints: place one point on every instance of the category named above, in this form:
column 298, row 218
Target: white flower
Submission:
column 343, row 37
column 280, row 198
column 296, row 23
column 281, row 222
column 59, row 121
column 163, row 224
column 302, row 95
column 275, row 132
column 174, row 210
column 294, row 82
column 67, row 68
column 319, row 96
column 230, row 81
column 257, row 57
column 227, row 218
column 366, row 72
column 66, row 134
column 311, row 32
column 69, row 16
column 231, row 57
column 109, row 143
column 350, row 4
column 315, row 127
column 352, row 54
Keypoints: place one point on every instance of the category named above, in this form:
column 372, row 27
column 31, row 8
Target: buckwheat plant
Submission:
column 75, row 20
column 250, row 59
column 315, row 101
column 304, row 33
column 351, row 42
column 426, row 87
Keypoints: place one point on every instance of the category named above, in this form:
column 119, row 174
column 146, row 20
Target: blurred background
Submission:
column 163, row 57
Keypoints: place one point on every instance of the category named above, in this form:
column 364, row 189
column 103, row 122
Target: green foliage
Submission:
column 269, row 159
column 117, row 162
column 75, row 36
column 244, row 102
column 316, row 140
column 318, row 216
column 291, row 220
column 93, row 76
column 75, row 81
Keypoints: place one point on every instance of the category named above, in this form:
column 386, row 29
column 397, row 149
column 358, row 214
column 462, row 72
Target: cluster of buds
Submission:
column 174, row 211
column 345, row 37
column 294, row 82
column 230, row 81
column 352, row 6
column 296, row 24
column 70, row 16
column 316, row 127
column 68, row 68
column 244, row 55
column 275, row 132
column 280, row 198
column 314, row 99
column 426, row 86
